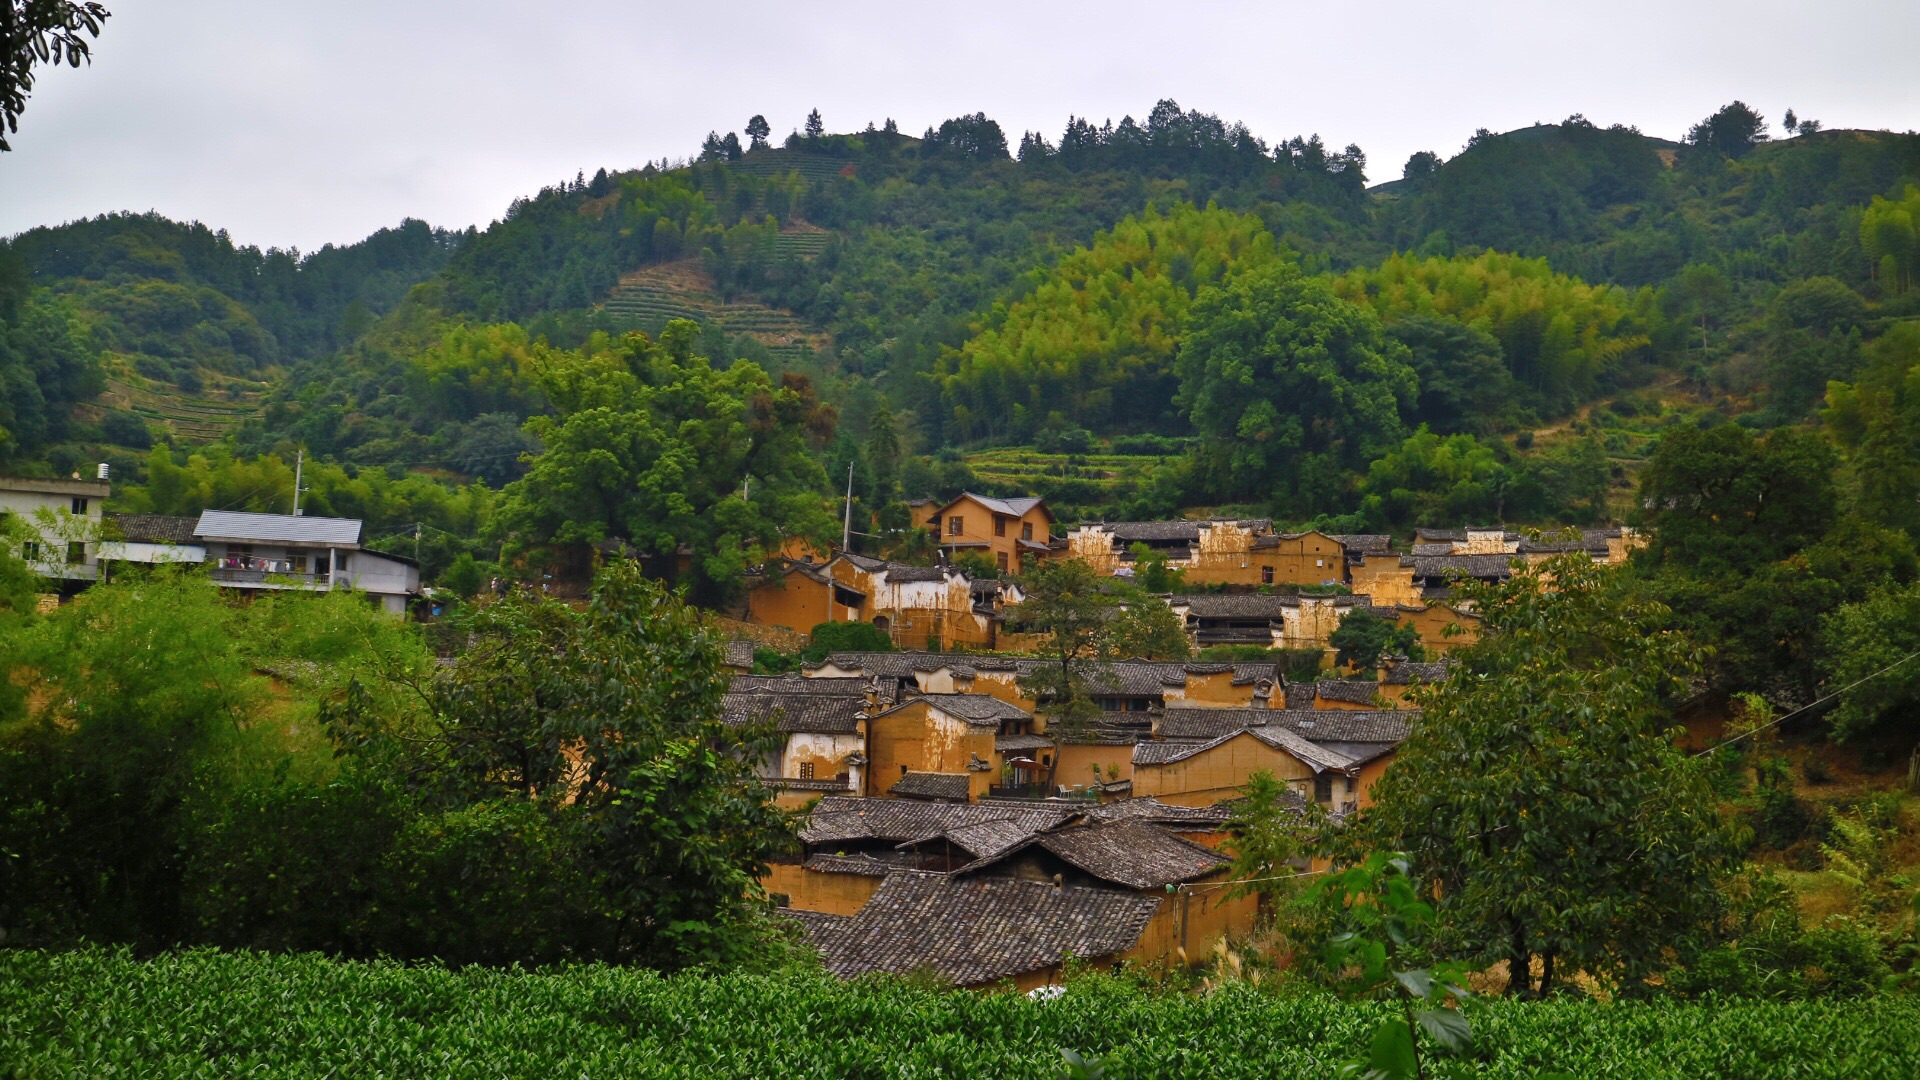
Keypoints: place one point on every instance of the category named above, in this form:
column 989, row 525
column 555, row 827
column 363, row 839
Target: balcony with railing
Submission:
column 251, row 570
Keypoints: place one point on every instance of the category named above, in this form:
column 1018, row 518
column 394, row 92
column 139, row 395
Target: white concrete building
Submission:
column 62, row 519
column 284, row 551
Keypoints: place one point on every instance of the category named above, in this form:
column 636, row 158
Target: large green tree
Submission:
column 655, row 447
column 1541, row 794
column 1068, row 606
column 1739, row 548
column 1294, row 388
column 608, row 721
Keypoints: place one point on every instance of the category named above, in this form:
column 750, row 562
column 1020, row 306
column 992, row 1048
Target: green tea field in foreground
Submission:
column 99, row 1013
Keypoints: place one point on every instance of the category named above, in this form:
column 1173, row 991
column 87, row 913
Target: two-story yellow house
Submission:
column 1007, row 531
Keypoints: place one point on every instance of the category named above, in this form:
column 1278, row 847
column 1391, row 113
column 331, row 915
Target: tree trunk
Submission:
column 1546, row 975
column 1519, row 962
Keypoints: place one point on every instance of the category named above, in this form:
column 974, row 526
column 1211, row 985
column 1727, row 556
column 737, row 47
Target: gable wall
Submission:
column 1219, row 773
column 925, row 739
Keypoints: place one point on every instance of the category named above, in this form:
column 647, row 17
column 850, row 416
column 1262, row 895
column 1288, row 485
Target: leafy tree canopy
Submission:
column 654, row 447
column 1093, row 342
column 1293, row 387
column 1541, row 794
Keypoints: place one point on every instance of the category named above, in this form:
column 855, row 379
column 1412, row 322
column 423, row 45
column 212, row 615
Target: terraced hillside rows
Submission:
column 1074, row 480
column 649, row 297
column 779, row 161
column 193, row 418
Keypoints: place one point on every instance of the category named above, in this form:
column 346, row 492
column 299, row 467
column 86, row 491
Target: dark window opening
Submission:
column 956, row 525
column 1323, row 788
column 806, row 770
column 1026, row 530
column 76, row 551
column 79, row 506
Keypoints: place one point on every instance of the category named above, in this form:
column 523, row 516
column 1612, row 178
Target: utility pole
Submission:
column 299, row 461
column 846, row 522
column 416, row 543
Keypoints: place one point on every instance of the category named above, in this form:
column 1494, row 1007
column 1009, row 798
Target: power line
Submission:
column 1809, row 705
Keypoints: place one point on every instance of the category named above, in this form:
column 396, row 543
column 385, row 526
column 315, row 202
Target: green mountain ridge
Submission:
column 872, row 263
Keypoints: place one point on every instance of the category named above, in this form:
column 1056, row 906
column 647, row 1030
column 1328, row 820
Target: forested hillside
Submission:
column 1508, row 332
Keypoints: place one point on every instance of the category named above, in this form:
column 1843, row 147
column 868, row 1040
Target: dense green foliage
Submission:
column 1559, row 337
column 1540, row 795
column 1293, row 389
column 46, row 367
column 94, row 1012
column 654, row 447
column 298, row 774
column 179, row 295
column 1092, row 344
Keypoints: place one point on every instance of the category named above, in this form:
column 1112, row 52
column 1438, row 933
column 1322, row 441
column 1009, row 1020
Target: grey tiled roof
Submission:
column 737, row 653
column 1318, row 755
column 980, row 709
column 278, row 528
column 861, row 865
column 1127, row 532
column 978, row 929
column 1013, row 744
column 904, row 572
column 1347, row 725
column 932, row 785
column 1131, row 852
column 1166, row 815
column 1300, row 695
column 1277, row 736
column 1251, row 605
column 1406, row 673
column 151, row 528
column 1128, row 678
column 823, row 929
column 825, row 714
column 1010, row 507
column 989, row 838
column 1366, row 543
column 843, row 818
column 1357, row 691
column 842, row 686
column 900, row 665
column 1205, row 725
column 1318, row 725
column 1475, row 566
column 1145, row 678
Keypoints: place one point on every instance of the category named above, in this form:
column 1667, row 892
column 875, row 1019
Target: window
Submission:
column 847, row 597
column 76, row 552
column 1323, row 788
column 956, row 525
column 296, row 562
column 30, row 550
column 1266, row 575
column 79, row 506
column 806, row 770
column 1026, row 530
column 1319, row 562
column 999, row 527
column 1001, row 558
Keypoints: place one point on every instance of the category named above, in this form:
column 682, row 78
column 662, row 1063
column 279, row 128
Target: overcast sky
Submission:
column 304, row 124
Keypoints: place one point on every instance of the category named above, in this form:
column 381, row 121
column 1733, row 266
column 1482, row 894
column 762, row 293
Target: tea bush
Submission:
column 96, row 1012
